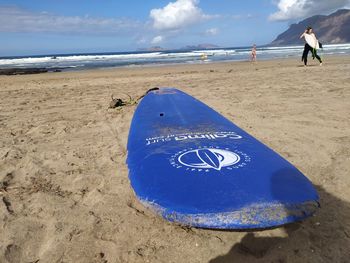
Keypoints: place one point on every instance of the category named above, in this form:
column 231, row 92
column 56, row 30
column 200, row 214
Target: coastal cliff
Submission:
column 331, row 29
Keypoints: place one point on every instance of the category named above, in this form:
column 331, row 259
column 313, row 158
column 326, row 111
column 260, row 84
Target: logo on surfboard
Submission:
column 208, row 158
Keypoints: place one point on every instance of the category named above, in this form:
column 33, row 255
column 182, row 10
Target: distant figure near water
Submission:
column 311, row 44
column 204, row 57
column 253, row 54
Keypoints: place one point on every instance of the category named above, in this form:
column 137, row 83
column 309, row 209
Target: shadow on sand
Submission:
column 325, row 237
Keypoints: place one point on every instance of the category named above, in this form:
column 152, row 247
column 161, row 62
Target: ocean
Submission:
column 137, row 59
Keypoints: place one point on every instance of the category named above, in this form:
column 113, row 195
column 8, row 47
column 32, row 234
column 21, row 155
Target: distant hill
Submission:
column 155, row 48
column 192, row 47
column 331, row 29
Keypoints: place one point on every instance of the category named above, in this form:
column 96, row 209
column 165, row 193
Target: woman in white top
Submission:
column 308, row 48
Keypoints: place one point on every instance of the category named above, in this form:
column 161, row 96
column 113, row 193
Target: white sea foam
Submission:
column 77, row 58
column 215, row 52
column 286, row 47
column 337, row 46
column 24, row 61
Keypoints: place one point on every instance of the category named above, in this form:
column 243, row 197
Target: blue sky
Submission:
column 52, row 26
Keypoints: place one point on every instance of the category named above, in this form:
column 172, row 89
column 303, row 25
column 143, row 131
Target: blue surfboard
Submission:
column 192, row 166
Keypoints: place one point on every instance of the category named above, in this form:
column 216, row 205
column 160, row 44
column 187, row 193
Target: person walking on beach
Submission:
column 253, row 54
column 308, row 48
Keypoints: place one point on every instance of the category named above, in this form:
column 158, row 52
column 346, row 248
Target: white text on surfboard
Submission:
column 194, row 136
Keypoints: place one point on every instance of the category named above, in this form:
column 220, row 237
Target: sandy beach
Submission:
column 64, row 188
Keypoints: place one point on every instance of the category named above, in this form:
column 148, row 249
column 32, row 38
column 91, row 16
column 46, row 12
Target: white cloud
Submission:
column 212, row 32
column 14, row 19
column 299, row 9
column 177, row 15
column 157, row 40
